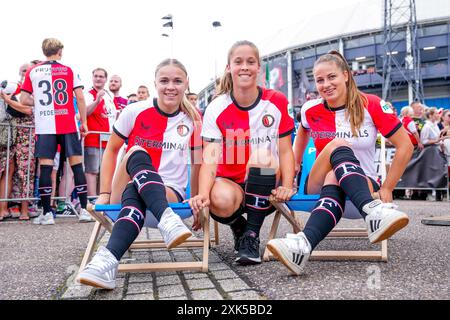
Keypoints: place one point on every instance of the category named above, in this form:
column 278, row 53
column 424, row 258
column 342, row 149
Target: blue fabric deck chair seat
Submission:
column 305, row 203
column 106, row 215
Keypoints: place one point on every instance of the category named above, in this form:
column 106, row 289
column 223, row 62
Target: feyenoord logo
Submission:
column 183, row 130
column 268, row 120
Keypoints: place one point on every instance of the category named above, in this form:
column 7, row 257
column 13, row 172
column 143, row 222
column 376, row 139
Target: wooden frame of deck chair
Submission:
column 105, row 215
column 303, row 202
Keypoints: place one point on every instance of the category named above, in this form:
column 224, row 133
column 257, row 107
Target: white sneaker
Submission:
column 172, row 228
column 293, row 251
column 44, row 219
column 383, row 220
column 101, row 272
column 84, row 216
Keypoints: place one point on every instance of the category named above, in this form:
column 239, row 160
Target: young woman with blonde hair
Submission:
column 161, row 134
column 343, row 124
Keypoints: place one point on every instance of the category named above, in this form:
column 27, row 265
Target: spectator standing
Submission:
column 143, row 93
column 101, row 114
column 430, row 133
column 418, row 115
column 408, row 123
column 115, row 83
column 50, row 86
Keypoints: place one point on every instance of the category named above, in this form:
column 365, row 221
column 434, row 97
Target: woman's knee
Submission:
column 336, row 143
column 132, row 150
column 223, row 202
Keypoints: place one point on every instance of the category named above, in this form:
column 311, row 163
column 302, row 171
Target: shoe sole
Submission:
column 278, row 255
column 246, row 261
column 396, row 225
column 96, row 283
column 179, row 240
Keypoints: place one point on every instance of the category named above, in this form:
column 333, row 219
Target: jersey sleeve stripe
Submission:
column 391, row 133
column 282, row 135
column 119, row 134
column 80, row 86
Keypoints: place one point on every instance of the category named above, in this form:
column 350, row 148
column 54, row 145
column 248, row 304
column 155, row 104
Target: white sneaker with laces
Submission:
column 101, row 272
column 383, row 220
column 44, row 219
column 84, row 216
column 172, row 228
column 293, row 251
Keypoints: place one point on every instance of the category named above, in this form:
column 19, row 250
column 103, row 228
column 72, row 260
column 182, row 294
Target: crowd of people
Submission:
column 240, row 153
column 19, row 179
column 427, row 126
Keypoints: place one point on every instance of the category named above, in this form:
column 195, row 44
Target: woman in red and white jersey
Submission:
column 162, row 134
column 344, row 125
column 247, row 134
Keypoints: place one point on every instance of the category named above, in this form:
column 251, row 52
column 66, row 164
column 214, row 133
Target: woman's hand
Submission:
column 197, row 203
column 282, row 194
column 385, row 195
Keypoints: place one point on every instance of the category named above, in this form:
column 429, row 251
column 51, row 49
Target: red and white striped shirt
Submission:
column 101, row 119
column 242, row 130
column 325, row 124
column 52, row 84
column 168, row 138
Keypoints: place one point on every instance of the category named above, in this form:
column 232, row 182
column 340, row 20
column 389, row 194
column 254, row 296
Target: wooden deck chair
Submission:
column 303, row 202
column 106, row 215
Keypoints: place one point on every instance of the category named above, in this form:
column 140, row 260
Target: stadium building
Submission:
column 357, row 32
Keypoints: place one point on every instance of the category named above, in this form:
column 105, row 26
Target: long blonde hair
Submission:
column 185, row 104
column 355, row 100
column 226, row 82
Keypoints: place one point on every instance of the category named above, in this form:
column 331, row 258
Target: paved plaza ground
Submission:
column 40, row 262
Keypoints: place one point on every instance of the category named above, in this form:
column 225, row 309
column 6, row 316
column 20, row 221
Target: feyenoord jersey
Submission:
column 242, row 130
column 324, row 125
column 168, row 138
column 52, row 85
column 101, row 119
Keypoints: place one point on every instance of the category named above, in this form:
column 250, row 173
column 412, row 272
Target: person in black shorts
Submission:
column 51, row 87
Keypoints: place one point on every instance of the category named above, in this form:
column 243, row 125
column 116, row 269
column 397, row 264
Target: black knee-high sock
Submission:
column 80, row 184
column 130, row 222
column 45, row 187
column 148, row 182
column 351, row 177
column 258, row 188
column 325, row 215
column 236, row 221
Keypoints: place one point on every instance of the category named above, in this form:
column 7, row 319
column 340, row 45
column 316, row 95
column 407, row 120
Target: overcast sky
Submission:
column 124, row 36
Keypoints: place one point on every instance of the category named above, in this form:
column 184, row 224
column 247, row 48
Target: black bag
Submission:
column 13, row 112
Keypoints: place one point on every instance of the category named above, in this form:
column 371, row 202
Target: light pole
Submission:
column 169, row 24
column 215, row 25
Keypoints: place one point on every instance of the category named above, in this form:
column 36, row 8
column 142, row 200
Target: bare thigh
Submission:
column 122, row 178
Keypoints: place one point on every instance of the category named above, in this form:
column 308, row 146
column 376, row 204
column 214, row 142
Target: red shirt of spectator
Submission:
column 101, row 119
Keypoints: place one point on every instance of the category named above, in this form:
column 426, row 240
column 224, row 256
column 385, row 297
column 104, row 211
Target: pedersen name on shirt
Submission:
column 57, row 112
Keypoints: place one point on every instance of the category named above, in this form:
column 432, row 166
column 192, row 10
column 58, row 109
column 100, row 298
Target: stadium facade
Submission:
column 357, row 32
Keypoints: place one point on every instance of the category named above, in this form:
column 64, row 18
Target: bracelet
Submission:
column 105, row 193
